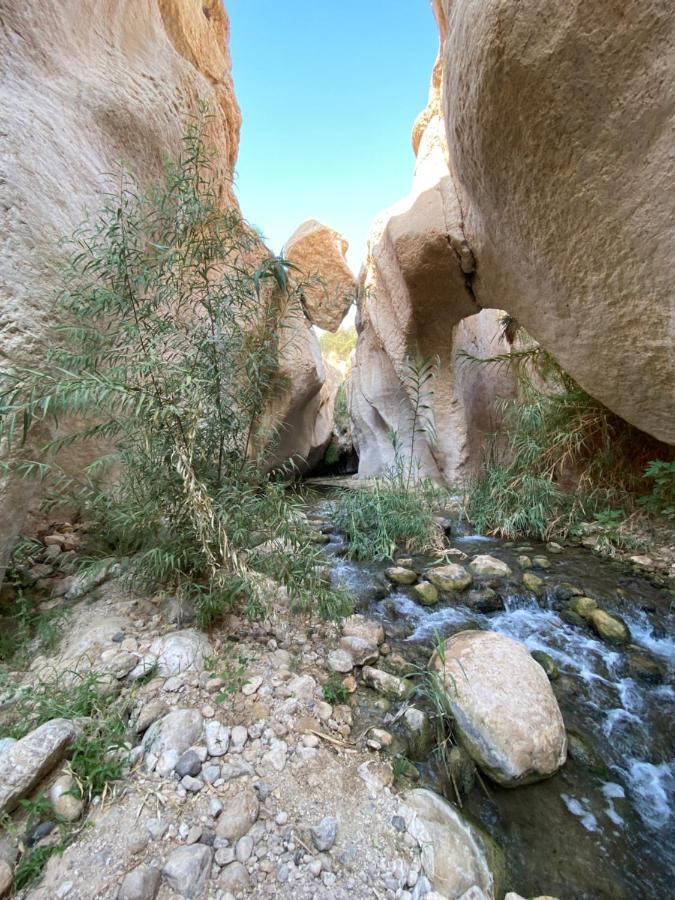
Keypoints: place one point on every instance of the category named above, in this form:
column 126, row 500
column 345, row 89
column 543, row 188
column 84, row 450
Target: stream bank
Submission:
column 600, row 827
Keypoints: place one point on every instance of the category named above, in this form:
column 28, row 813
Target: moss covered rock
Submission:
column 401, row 575
column 610, row 628
column 450, row 577
column 426, row 593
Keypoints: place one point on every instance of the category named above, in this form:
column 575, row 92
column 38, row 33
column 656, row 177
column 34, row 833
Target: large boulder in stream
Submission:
column 505, row 712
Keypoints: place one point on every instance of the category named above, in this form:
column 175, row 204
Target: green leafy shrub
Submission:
column 334, row 690
column 566, row 457
column 661, row 501
column 388, row 516
column 174, row 321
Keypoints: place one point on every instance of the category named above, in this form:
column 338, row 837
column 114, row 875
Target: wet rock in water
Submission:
column 540, row 562
column 565, row 591
column 533, row 582
column 484, row 600
column 554, row 547
column 169, row 737
column 324, row 834
column 450, row 577
column 581, row 752
column 187, row 870
column 643, row 667
column 485, row 566
column 512, row 896
column 425, row 593
column 361, row 651
column 454, row 854
column 399, row 575
column 406, row 561
column 572, row 618
column 582, row 606
column 25, row 762
column 141, row 883
column 547, row 663
column 238, row 815
column 384, row 683
column 460, row 774
column 419, row 737
column 362, row 627
column 524, row 562
column 64, row 796
column 611, row 629
column 505, row 711
column 340, row 661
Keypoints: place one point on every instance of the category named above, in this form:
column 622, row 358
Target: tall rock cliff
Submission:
column 88, row 87
column 416, row 300
column 560, row 130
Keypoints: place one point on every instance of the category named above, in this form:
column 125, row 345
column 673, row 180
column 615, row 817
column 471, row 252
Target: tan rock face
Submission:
column 319, row 254
column 574, row 235
column 84, row 88
column 416, row 300
column 505, row 711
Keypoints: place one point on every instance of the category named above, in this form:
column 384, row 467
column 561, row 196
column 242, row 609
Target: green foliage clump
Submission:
column 341, row 410
column 98, row 755
column 337, row 347
column 174, row 323
column 661, row 500
column 24, row 624
column 389, row 515
column 334, row 690
column 565, row 460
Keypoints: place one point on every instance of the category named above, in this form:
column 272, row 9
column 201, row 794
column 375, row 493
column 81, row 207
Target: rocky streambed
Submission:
column 601, row 826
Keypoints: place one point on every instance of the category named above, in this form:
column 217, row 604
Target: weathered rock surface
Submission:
column 28, row 760
column 330, row 289
column 169, row 737
column 505, row 712
column 450, row 577
column 487, row 566
column 574, row 236
column 415, row 299
column 179, row 651
column 98, row 87
column 187, row 870
column 454, row 855
column 142, row 883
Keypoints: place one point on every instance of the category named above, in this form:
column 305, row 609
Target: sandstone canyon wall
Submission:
column 416, row 299
column 559, row 122
column 88, row 86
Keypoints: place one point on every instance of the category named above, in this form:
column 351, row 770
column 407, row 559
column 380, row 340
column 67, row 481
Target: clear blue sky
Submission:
column 329, row 92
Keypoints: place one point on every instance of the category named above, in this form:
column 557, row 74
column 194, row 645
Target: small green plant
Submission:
column 661, row 500
column 174, row 319
column 334, row 691
column 399, row 768
column 567, row 458
column 26, row 627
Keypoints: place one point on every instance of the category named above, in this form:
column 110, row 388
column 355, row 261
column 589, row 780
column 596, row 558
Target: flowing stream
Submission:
column 602, row 830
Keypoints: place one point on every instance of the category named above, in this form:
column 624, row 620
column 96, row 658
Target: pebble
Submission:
column 251, row 686
column 244, row 848
column 324, row 834
column 187, row 870
column 281, row 818
column 217, row 738
column 194, row 785
column 188, row 764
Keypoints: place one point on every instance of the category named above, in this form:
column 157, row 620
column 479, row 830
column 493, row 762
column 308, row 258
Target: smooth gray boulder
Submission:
column 24, row 763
